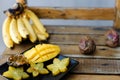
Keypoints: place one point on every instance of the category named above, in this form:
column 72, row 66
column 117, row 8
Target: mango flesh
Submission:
column 42, row 53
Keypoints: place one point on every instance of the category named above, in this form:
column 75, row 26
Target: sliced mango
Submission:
column 30, row 53
column 42, row 52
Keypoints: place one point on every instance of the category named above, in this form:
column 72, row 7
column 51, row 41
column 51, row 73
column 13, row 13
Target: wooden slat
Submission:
column 77, row 29
column 74, row 39
column 101, row 65
column 70, row 50
column 97, row 66
column 103, row 55
column 19, row 48
column 72, row 35
column 68, row 39
column 103, row 51
column 69, row 13
column 117, row 19
column 92, row 77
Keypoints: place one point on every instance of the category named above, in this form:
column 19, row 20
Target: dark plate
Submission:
column 73, row 63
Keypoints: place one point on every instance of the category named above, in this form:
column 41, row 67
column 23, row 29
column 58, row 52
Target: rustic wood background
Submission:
column 105, row 60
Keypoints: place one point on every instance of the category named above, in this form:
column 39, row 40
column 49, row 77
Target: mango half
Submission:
column 42, row 52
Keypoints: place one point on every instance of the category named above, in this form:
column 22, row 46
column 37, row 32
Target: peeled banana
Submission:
column 14, row 32
column 22, row 29
column 5, row 33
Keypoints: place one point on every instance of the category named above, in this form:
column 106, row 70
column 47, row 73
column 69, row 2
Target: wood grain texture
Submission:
column 71, row 51
column 67, row 37
column 71, row 13
column 117, row 17
column 56, row 29
column 97, row 66
column 72, row 35
column 19, row 48
column 103, row 51
column 74, row 39
column 92, row 77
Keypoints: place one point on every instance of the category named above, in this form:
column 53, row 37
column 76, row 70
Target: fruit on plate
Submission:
column 58, row 66
column 36, row 69
column 17, row 60
column 18, row 26
column 42, row 52
column 15, row 73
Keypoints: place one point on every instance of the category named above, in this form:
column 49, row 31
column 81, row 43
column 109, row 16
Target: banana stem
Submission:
column 22, row 1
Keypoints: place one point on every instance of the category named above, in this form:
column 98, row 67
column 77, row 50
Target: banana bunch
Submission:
column 21, row 23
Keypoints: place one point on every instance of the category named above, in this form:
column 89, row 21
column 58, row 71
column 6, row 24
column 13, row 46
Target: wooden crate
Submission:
column 67, row 37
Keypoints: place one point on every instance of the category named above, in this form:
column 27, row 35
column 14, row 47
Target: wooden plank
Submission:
column 19, row 48
column 117, row 17
column 83, row 67
column 55, row 29
column 72, row 35
column 91, row 65
column 97, row 66
column 92, row 77
column 71, row 13
column 68, row 38
column 74, row 39
column 103, row 51
column 71, row 51
column 72, row 76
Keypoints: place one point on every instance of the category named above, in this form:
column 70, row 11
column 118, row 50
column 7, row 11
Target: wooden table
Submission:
column 67, row 37
column 104, row 56
column 71, row 76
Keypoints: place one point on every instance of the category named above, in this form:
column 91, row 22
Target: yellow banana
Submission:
column 21, row 28
column 14, row 32
column 39, row 35
column 32, row 35
column 5, row 33
column 36, row 21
